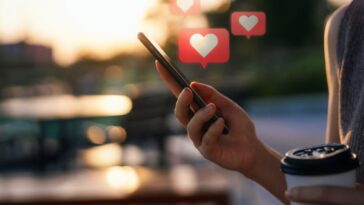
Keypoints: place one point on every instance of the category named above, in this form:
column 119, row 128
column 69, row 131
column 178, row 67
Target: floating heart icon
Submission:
column 185, row 5
column 248, row 22
column 204, row 44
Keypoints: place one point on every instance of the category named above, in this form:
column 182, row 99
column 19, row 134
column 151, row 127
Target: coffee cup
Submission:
column 327, row 165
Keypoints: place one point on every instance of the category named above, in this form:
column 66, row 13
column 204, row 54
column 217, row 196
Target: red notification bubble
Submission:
column 248, row 24
column 185, row 7
column 204, row 46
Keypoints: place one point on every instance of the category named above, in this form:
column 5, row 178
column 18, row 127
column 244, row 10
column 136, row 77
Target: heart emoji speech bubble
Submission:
column 248, row 24
column 185, row 7
column 204, row 46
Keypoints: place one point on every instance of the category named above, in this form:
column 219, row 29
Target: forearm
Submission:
column 267, row 172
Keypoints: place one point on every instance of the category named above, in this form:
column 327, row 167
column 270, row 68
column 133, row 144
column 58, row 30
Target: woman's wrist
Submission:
column 259, row 166
column 266, row 171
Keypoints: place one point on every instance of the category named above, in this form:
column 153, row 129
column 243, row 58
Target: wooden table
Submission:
column 118, row 185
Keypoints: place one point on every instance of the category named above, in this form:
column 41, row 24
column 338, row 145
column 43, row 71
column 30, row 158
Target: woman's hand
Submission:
column 327, row 195
column 236, row 150
column 240, row 149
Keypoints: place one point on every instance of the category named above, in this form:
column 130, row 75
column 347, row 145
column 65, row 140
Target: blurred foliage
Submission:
column 300, row 72
column 289, row 59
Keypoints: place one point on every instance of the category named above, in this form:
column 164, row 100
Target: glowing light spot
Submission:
column 123, row 178
column 116, row 133
column 184, row 179
column 108, row 105
column 103, row 155
column 67, row 106
column 96, row 134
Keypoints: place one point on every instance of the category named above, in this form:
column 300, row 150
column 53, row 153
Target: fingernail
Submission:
column 188, row 90
column 209, row 108
column 185, row 91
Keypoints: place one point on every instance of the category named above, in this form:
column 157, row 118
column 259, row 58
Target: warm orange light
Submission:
column 97, row 28
column 47, row 107
column 96, row 134
column 67, row 106
column 184, row 179
column 124, row 178
column 103, row 155
column 116, row 133
column 106, row 105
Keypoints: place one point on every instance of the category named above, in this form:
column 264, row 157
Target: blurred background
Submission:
column 85, row 118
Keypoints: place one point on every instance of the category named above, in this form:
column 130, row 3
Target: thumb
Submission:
column 210, row 94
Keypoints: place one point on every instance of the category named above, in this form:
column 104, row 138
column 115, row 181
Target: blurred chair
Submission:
column 330, row 45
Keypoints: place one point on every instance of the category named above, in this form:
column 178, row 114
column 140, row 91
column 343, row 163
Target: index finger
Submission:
column 168, row 80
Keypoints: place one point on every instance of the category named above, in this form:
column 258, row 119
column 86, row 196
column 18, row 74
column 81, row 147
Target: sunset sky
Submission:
column 98, row 28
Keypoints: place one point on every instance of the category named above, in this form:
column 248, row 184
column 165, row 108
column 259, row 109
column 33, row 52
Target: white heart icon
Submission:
column 185, row 5
column 204, row 44
column 248, row 22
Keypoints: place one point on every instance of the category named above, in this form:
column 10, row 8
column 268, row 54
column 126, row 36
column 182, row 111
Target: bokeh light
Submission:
column 96, row 134
column 103, row 155
column 67, row 106
column 125, row 178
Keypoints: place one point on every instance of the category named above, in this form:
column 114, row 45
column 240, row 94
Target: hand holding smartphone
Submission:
column 175, row 73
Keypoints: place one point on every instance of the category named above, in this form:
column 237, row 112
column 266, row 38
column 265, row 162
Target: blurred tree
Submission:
column 288, row 56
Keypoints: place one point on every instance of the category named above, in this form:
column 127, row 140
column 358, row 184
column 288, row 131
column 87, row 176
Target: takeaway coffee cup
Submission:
column 328, row 164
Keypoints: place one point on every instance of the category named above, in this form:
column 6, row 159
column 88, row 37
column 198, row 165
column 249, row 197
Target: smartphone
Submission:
column 173, row 70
